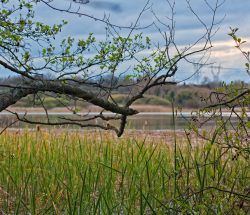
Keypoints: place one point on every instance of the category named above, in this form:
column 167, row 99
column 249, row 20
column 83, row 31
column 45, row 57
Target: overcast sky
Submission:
column 188, row 29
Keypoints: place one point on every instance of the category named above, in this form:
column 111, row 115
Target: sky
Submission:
column 233, row 13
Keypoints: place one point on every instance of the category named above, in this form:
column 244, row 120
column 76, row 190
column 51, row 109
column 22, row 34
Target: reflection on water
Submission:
column 155, row 122
column 143, row 121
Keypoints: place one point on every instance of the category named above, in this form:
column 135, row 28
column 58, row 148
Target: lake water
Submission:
column 142, row 121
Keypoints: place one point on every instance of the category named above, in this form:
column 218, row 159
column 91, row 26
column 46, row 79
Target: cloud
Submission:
column 188, row 27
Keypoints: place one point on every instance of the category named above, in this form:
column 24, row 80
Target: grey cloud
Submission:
column 126, row 11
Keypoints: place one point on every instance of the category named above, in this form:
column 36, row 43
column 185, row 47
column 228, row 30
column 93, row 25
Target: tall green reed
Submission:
column 76, row 173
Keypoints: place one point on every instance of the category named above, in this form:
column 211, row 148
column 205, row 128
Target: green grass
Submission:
column 77, row 173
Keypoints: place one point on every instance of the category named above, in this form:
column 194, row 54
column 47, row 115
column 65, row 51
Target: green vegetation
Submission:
column 185, row 96
column 49, row 102
column 147, row 100
column 76, row 173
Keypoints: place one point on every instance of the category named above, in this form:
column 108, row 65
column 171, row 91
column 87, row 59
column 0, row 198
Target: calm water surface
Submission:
column 147, row 121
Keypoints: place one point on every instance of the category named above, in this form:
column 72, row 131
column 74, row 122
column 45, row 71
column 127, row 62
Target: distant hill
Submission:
column 185, row 96
column 188, row 96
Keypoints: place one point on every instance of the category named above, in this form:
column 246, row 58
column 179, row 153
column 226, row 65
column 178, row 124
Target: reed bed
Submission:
column 45, row 172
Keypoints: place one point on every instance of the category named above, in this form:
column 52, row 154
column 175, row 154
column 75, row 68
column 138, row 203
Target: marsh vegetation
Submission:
column 96, row 173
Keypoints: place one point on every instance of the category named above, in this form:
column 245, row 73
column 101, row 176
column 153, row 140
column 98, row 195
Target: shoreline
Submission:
column 142, row 109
